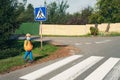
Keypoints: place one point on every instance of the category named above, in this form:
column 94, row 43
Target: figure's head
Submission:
column 28, row 36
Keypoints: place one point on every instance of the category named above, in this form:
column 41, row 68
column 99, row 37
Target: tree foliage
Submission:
column 20, row 12
column 29, row 14
column 12, row 13
column 25, row 15
column 107, row 11
column 8, row 22
column 81, row 17
column 57, row 12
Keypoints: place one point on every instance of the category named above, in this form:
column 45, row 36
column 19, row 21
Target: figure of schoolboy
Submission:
column 28, row 48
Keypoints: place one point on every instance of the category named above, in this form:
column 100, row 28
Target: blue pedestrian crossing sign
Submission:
column 40, row 14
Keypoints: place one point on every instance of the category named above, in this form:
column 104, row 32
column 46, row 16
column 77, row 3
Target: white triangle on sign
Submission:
column 40, row 14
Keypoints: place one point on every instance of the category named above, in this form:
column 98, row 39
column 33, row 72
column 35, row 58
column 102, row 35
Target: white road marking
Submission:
column 114, row 74
column 41, row 72
column 103, row 70
column 100, row 42
column 88, row 43
column 75, row 71
column 105, row 41
column 78, row 44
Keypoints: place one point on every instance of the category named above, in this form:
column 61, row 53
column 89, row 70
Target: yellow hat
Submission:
column 28, row 35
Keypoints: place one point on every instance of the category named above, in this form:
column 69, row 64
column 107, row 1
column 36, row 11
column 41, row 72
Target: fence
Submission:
column 50, row 29
column 70, row 30
column 32, row 28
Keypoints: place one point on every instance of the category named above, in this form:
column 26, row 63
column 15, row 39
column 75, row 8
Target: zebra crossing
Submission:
column 76, row 70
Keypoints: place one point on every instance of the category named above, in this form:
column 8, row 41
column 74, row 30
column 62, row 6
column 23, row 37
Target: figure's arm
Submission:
column 31, row 44
column 25, row 43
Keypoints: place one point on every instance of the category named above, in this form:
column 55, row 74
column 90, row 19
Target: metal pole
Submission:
column 41, row 34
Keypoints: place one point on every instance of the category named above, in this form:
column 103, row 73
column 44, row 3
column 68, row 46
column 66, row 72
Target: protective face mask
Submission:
column 28, row 38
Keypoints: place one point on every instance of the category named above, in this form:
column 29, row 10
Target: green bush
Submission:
column 94, row 31
column 11, row 52
column 14, row 48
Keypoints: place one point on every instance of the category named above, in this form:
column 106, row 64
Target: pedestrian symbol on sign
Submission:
column 40, row 14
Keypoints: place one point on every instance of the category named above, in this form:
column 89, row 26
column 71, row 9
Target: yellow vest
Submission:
column 28, row 45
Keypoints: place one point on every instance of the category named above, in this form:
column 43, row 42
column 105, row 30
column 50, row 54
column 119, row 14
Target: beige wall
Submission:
column 76, row 29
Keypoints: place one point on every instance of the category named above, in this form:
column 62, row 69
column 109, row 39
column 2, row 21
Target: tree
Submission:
column 25, row 14
column 57, row 12
column 107, row 11
column 95, row 17
column 51, row 12
column 116, row 11
column 29, row 13
column 74, row 19
column 81, row 17
column 62, row 7
column 20, row 12
column 8, row 21
column 85, row 15
column 24, row 2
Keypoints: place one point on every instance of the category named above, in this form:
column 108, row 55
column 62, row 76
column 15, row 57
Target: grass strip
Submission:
column 7, row 64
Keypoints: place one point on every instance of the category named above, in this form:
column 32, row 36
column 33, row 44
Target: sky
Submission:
column 74, row 5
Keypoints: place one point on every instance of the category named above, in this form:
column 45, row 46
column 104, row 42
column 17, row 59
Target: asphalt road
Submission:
column 99, row 46
column 98, row 59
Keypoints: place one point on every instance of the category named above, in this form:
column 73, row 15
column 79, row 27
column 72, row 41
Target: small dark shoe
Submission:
column 31, row 61
column 26, row 60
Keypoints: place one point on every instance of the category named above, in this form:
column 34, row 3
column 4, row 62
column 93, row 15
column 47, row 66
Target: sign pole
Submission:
column 41, row 40
column 40, row 15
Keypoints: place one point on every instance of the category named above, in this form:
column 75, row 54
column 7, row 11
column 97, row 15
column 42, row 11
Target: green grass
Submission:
column 7, row 64
column 109, row 34
column 113, row 34
column 42, row 53
column 87, row 35
column 101, row 34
